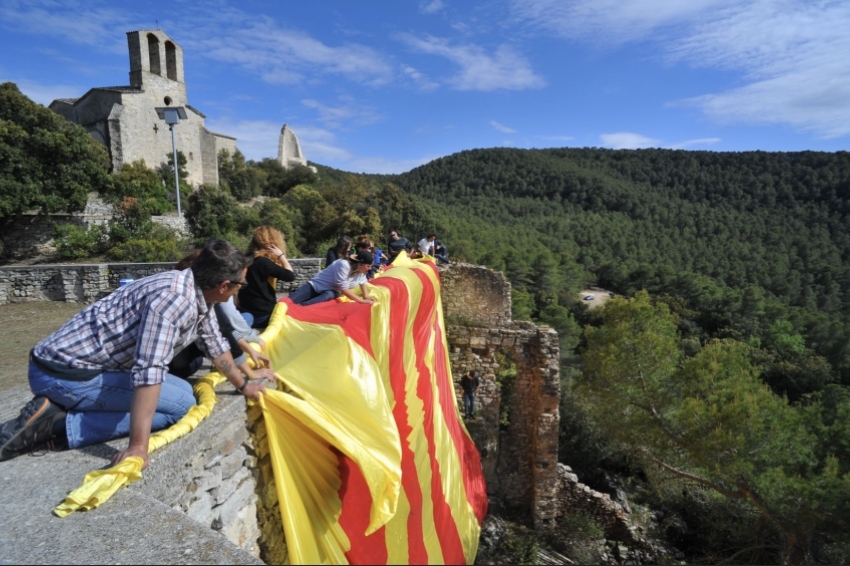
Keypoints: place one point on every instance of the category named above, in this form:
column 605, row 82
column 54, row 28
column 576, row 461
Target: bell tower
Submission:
column 154, row 55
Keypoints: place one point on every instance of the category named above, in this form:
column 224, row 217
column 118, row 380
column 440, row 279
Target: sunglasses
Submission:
column 240, row 283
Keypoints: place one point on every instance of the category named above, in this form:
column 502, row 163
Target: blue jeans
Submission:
column 99, row 409
column 469, row 403
column 307, row 295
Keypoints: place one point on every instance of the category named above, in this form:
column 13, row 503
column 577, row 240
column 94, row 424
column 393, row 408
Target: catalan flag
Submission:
column 372, row 462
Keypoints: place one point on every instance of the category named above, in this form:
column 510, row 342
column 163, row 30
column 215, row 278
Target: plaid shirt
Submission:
column 138, row 328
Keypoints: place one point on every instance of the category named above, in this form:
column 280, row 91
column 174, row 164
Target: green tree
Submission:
column 211, row 213
column 710, row 421
column 242, row 181
column 46, row 162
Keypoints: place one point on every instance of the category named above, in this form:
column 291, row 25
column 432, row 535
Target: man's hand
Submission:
column 264, row 373
column 140, row 451
column 253, row 390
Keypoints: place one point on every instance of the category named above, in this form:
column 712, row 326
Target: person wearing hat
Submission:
column 339, row 278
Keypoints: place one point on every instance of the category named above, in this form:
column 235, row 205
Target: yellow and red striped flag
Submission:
column 372, row 462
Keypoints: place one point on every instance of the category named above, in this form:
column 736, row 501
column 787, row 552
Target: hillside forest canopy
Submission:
column 716, row 386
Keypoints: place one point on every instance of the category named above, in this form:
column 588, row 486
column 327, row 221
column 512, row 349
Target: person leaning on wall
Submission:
column 103, row 374
column 339, row 278
column 258, row 298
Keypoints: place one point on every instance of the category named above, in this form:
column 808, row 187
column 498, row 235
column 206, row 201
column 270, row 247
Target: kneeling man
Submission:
column 104, row 373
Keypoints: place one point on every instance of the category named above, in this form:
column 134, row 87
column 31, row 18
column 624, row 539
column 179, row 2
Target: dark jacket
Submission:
column 258, row 298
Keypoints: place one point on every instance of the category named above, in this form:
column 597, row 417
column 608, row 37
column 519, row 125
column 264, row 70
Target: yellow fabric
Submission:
column 333, row 395
column 100, row 485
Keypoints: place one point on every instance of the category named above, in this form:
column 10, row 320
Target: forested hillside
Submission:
column 731, row 234
column 746, row 260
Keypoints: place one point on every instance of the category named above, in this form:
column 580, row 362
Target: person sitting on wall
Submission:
column 426, row 245
column 339, row 278
column 395, row 245
column 103, row 373
column 469, row 384
column 258, row 297
column 440, row 252
column 340, row 250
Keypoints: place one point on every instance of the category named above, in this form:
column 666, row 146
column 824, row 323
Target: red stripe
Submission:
column 355, row 319
column 443, row 519
column 354, row 518
column 399, row 310
column 470, row 460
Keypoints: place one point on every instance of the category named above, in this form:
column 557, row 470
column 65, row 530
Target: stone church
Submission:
column 124, row 118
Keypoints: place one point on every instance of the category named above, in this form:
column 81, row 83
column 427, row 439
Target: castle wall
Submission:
column 85, row 283
column 519, row 458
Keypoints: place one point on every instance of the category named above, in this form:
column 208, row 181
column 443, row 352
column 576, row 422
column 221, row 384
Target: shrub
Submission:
column 77, row 242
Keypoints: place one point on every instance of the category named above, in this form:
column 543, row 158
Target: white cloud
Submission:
column 431, row 7
column 479, row 70
column 627, row 140
column 610, row 21
column 420, row 79
column 257, row 139
column 699, row 141
column 285, row 56
column 93, row 25
column 348, row 111
column 792, row 54
column 44, row 93
column 385, row 165
column 502, row 128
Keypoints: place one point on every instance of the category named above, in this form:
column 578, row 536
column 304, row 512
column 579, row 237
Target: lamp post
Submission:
column 172, row 115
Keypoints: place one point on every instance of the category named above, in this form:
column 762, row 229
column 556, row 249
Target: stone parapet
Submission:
column 85, row 283
column 180, row 512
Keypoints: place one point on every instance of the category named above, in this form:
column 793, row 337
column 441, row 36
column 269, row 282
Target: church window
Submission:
column 153, row 53
column 171, row 60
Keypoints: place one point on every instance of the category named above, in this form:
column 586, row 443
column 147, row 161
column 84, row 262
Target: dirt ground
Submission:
column 23, row 325
column 599, row 297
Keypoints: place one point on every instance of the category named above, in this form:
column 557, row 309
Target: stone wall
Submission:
column 475, row 296
column 520, row 458
column 213, row 477
column 195, row 504
column 31, row 234
column 85, row 283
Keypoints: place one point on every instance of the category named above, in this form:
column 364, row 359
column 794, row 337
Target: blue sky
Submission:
column 386, row 86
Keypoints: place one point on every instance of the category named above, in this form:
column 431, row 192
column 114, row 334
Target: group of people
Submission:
column 429, row 245
column 118, row 367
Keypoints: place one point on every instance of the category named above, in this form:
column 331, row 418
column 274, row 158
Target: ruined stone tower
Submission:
column 289, row 149
column 124, row 118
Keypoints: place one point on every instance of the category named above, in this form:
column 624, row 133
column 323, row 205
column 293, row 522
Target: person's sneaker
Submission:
column 33, row 426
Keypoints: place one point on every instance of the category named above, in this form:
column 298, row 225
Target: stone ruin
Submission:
column 289, row 150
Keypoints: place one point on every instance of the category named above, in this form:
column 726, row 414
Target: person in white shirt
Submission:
column 337, row 279
column 426, row 245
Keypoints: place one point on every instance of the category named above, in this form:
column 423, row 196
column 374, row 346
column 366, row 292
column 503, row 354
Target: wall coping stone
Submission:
column 139, row 525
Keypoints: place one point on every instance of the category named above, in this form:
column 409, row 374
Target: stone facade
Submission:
column 520, row 459
column 289, row 150
column 124, row 118
column 85, row 283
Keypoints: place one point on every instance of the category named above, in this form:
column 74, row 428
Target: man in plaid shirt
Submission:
column 104, row 373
